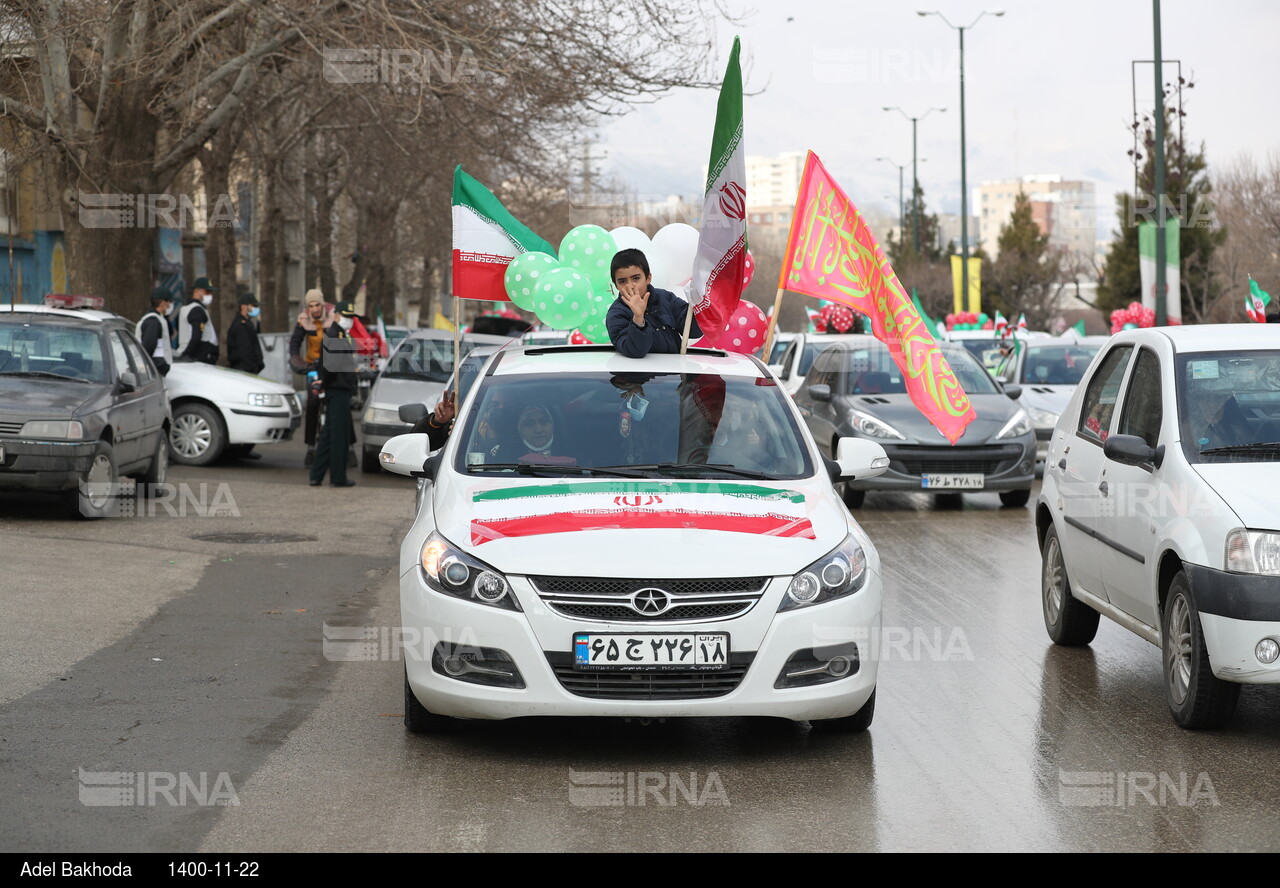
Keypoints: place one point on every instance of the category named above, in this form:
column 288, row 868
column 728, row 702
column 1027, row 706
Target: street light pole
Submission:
column 902, row 207
column 964, row 182
column 1162, row 316
column 915, row 178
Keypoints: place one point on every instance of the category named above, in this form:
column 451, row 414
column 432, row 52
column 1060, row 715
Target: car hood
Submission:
column 993, row 411
column 216, row 383
column 1052, row 398
column 1248, row 490
column 395, row 392
column 36, row 397
column 654, row 528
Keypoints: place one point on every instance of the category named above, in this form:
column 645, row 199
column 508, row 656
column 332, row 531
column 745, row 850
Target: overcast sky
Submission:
column 1048, row 90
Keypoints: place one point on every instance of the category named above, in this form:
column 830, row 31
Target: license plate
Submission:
column 953, row 482
column 651, row 651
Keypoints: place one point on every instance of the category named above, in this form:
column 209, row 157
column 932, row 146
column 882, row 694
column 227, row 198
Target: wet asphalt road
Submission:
column 130, row 646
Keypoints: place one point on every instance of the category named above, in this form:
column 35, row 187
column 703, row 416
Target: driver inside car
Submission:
column 1218, row 421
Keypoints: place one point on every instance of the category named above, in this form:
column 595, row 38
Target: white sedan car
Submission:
column 217, row 410
column 644, row 538
column 1159, row 509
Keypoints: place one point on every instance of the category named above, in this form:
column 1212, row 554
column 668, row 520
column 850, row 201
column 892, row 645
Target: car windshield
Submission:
column 1056, row 364
column 779, row 349
column 49, row 350
column 687, row 425
column 430, row 360
column 1229, row 406
column 871, row 370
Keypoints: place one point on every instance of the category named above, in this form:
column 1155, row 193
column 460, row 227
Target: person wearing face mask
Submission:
column 153, row 330
column 338, row 384
column 197, row 340
column 244, row 351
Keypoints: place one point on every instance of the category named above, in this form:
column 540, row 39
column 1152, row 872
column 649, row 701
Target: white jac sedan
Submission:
column 643, row 538
column 1159, row 509
column 218, row 410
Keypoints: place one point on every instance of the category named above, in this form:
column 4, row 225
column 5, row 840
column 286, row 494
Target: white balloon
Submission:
column 627, row 237
column 672, row 254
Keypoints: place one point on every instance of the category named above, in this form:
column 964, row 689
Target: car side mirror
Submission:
column 412, row 413
column 407, row 455
column 820, row 392
column 860, row 459
column 1014, row 392
column 1131, row 450
column 128, row 381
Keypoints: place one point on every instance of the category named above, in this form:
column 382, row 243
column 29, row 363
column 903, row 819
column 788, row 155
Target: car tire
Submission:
column 1069, row 621
column 418, row 719
column 1015, row 499
column 850, row 724
column 853, row 498
column 369, row 463
column 197, row 436
column 1197, row 698
column 149, row 482
column 97, row 487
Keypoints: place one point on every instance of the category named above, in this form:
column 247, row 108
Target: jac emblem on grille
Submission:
column 650, row 601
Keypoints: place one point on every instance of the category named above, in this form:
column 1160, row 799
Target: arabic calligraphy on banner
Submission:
column 832, row 254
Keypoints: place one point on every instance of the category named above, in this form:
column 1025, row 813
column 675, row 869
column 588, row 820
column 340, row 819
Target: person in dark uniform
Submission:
column 338, row 384
column 244, row 351
column 153, row 330
column 197, row 340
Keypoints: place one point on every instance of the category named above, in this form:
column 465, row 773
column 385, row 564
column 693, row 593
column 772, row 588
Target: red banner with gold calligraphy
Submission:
column 832, row 254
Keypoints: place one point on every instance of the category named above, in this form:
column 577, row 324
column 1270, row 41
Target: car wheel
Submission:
column 149, row 482
column 853, row 498
column 1197, row 698
column 1069, row 621
column 418, row 719
column 850, row 724
column 1015, row 498
column 97, row 487
column 369, row 461
column 197, row 435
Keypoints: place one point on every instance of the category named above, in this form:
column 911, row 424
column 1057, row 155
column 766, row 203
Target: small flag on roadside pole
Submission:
column 1255, row 304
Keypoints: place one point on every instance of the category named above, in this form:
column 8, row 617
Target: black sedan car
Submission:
column 855, row 389
column 80, row 406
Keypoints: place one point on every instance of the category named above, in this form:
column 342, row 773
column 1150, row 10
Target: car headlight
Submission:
column 456, row 573
column 1253, row 551
column 1043, row 419
column 382, row 415
column 263, row 399
column 46, row 428
column 841, row 572
column 866, row 424
column 1019, row 425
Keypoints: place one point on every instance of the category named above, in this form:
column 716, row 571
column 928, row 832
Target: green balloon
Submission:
column 588, row 250
column 595, row 330
column 522, row 277
column 562, row 300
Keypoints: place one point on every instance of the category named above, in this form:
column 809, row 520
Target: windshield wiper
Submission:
column 43, row 373
column 1260, row 447
column 544, row 468
column 704, row 467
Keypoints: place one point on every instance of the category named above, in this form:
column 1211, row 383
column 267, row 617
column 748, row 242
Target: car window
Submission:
column 146, row 370
column 1057, row 364
column 787, row 358
column 120, row 355
column 1143, row 409
column 871, row 370
column 822, row 370
column 62, row 350
column 595, row 420
column 429, row 360
column 777, row 350
column 1101, row 395
column 1229, row 405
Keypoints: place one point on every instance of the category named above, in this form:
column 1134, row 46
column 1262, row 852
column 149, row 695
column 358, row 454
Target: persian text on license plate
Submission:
column 953, row 482
column 684, row 650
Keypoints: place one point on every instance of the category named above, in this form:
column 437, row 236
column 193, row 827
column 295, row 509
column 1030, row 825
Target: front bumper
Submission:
column 1236, row 612
column 259, row 425
column 375, row 434
column 1004, row 466
column 30, row 464
column 539, row 639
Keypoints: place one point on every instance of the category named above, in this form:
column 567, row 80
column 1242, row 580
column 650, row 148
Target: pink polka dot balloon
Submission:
column 576, row 338
column 750, row 271
column 747, row 327
column 841, row 318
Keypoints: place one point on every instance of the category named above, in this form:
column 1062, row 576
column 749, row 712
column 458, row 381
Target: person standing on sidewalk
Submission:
column 304, row 358
column 338, row 385
column 244, row 351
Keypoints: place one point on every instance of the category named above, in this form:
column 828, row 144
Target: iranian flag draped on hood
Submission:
column 721, row 262
column 485, row 238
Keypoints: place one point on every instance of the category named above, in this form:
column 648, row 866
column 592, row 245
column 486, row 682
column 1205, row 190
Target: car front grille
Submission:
column 615, row 600
column 966, row 460
column 10, row 428
column 656, row 685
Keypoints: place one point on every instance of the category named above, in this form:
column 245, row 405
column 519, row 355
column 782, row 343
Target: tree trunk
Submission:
column 220, row 240
column 275, row 307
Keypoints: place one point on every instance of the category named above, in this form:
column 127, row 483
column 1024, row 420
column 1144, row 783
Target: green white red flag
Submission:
column 719, row 268
column 1256, row 302
column 485, row 238
column 832, row 254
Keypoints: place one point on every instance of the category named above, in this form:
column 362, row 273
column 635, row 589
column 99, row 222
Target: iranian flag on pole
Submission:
column 1256, row 302
column 721, row 262
column 485, row 238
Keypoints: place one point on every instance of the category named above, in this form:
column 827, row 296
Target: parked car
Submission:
column 798, row 356
column 1159, row 509
column 81, row 406
column 416, row 374
column 779, row 347
column 1048, row 371
column 601, row 538
column 218, row 410
column 854, row 389
column 985, row 345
